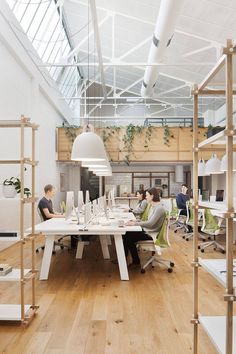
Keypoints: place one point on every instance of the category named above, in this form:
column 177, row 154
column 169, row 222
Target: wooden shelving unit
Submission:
column 22, row 312
column 220, row 329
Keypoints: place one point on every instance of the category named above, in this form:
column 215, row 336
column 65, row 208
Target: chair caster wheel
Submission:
column 223, row 251
column 143, row 271
column 170, row 270
column 175, row 231
column 37, row 251
column 172, row 264
column 202, row 251
column 199, row 247
column 187, row 239
column 43, row 248
column 53, row 252
column 62, row 247
column 183, row 237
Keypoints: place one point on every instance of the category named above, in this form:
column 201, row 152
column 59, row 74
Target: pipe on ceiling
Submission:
column 163, row 34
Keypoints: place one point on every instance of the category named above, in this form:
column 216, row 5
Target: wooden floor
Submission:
column 85, row 308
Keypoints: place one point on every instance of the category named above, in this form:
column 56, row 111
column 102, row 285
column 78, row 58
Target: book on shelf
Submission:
column 219, row 195
column 205, row 195
column 5, row 269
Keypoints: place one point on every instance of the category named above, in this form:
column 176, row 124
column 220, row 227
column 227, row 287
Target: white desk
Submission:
column 55, row 226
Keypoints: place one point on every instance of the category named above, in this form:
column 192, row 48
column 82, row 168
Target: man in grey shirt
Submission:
column 150, row 227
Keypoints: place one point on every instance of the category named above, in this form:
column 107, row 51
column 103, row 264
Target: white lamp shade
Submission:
column 94, row 164
column 107, row 173
column 213, row 166
column 202, row 168
column 88, row 146
column 224, row 163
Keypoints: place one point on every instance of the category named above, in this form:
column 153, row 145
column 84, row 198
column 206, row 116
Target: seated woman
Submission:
column 142, row 203
column 150, row 227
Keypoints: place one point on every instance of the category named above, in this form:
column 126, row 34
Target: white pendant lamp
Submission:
column 202, row 168
column 224, row 164
column 106, row 173
column 213, row 166
column 88, row 146
column 94, row 164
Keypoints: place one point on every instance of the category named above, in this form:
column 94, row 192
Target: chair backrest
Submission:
column 162, row 239
column 40, row 215
column 145, row 213
column 63, row 206
column 174, row 213
column 189, row 207
column 210, row 224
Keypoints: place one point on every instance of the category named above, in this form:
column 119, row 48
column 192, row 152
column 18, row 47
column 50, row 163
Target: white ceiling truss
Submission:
column 110, row 42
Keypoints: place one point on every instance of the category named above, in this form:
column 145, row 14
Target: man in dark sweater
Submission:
column 45, row 204
column 181, row 199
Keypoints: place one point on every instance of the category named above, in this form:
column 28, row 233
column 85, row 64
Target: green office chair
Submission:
column 145, row 213
column 211, row 227
column 157, row 246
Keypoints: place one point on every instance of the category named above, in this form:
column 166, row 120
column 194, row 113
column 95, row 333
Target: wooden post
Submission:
column 22, row 128
column 195, row 217
column 33, row 215
column 229, row 199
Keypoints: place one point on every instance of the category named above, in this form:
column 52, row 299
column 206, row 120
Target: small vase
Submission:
column 8, row 191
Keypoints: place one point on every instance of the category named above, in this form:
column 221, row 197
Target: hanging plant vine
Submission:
column 167, row 135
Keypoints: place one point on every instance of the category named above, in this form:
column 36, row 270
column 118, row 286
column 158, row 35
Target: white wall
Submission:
column 23, row 90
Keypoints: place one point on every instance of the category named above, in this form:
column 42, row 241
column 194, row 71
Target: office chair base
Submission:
column 217, row 246
column 154, row 259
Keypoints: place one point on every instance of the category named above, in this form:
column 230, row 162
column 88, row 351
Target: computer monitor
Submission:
column 69, row 204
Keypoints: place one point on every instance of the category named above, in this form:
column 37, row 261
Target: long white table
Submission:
column 56, row 226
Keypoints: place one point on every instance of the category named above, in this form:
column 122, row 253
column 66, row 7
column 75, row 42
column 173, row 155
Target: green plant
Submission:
column 15, row 181
column 167, row 135
column 71, row 132
column 148, row 136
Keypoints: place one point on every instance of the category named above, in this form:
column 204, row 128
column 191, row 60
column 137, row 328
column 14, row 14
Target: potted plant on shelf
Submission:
column 12, row 186
column 213, row 130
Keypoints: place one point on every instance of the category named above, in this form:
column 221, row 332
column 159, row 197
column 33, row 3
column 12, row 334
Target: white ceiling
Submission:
column 202, row 29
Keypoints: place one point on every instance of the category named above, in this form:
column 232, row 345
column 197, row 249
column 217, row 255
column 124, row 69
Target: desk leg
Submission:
column 104, row 245
column 47, row 255
column 80, row 249
column 121, row 257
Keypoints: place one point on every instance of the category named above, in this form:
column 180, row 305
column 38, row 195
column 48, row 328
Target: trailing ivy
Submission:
column 71, row 132
column 167, row 135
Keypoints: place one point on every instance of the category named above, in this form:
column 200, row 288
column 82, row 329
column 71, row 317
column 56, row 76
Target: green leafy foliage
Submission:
column 167, row 135
column 15, row 181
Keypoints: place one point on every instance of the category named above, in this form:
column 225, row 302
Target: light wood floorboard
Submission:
column 86, row 309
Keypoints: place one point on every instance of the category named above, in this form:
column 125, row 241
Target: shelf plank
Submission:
column 214, row 267
column 213, row 205
column 14, row 275
column 215, row 327
column 219, row 137
column 12, row 312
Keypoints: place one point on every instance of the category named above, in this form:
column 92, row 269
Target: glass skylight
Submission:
column 40, row 20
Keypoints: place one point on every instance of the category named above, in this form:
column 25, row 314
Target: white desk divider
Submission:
column 80, row 199
column 87, row 213
column 87, row 197
column 69, row 204
column 109, row 200
column 113, row 203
